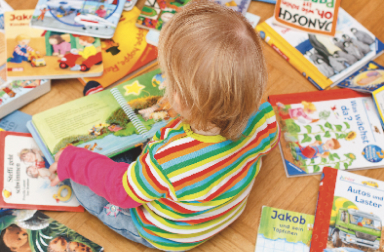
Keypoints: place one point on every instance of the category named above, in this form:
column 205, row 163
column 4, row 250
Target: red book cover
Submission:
column 25, row 178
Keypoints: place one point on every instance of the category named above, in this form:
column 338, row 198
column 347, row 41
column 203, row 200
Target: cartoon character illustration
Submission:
column 98, row 129
column 60, row 46
column 101, row 12
column 108, row 45
column 160, row 111
column 36, row 59
column 20, row 52
column 42, row 14
column 300, row 114
column 370, row 77
column 316, row 149
column 88, row 51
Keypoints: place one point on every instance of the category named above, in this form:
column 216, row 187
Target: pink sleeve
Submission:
column 55, row 48
column 101, row 174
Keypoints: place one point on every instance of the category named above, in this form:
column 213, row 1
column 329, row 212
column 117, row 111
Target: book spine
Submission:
column 293, row 56
column 128, row 111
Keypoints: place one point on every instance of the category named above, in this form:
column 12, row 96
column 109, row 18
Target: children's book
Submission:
column 124, row 56
column 37, row 54
column 16, row 122
column 15, row 94
column 129, row 4
column 108, row 122
column 95, row 18
column 4, row 7
column 266, row 1
column 338, row 128
column 33, row 231
column 284, row 231
column 324, row 61
column 367, row 79
column 25, row 178
column 316, row 17
column 349, row 213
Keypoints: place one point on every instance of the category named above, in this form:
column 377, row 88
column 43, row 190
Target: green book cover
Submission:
column 282, row 230
column 107, row 122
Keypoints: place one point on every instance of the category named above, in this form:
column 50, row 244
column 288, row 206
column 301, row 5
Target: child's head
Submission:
column 23, row 39
column 214, row 67
column 27, row 155
column 101, row 7
column 332, row 144
column 56, row 39
column 85, row 40
column 32, row 171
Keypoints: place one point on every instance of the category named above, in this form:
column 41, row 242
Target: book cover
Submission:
column 367, row 79
column 323, row 60
column 33, row 231
column 15, row 94
column 284, row 231
column 95, row 18
column 338, row 128
column 25, row 178
column 266, row 1
column 37, row 54
column 156, row 13
column 108, row 122
column 317, row 17
column 15, row 122
column 349, row 213
column 124, row 56
column 4, row 7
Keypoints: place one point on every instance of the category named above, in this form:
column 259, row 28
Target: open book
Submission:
column 108, row 122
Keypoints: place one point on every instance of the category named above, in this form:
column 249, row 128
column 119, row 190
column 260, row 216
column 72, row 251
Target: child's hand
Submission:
column 53, row 169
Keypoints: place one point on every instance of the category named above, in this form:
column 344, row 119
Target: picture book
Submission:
column 15, row 94
column 284, row 231
column 25, row 178
column 267, row 1
column 94, row 18
column 338, row 128
column 349, row 213
column 378, row 97
column 4, row 7
column 37, row 54
column 33, row 231
column 316, row 17
column 16, row 122
column 108, row 122
column 324, row 61
column 122, row 56
column 367, row 79
column 129, row 4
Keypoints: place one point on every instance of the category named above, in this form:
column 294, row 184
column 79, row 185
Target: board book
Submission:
column 16, row 122
column 95, row 18
column 15, row 94
column 25, row 178
column 316, row 17
column 338, row 128
column 122, row 56
column 349, row 213
column 37, row 54
column 33, row 231
column 323, row 60
column 108, row 122
column 284, row 231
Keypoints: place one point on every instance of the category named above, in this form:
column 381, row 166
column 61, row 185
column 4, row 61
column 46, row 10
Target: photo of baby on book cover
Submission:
column 37, row 54
column 33, row 231
column 339, row 128
column 95, row 18
column 25, row 178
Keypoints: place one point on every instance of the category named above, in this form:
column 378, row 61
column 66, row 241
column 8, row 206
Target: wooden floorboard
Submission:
column 272, row 188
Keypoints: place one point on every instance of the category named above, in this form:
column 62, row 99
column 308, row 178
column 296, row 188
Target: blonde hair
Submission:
column 22, row 37
column 23, row 152
column 212, row 58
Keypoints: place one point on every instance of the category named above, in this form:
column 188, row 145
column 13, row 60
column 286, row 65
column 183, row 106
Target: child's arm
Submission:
column 101, row 174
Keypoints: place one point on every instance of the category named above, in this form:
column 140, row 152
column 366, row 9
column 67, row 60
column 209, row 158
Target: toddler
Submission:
column 194, row 177
column 22, row 49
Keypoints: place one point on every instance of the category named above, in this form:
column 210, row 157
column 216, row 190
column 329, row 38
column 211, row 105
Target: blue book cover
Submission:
column 16, row 122
column 266, row 1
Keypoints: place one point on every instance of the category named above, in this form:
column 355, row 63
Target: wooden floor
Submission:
column 272, row 187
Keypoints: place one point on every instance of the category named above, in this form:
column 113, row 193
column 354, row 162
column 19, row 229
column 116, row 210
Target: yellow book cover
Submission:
column 123, row 56
column 38, row 54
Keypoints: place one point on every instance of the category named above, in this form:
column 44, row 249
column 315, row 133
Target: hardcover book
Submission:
column 37, row 54
column 349, row 213
column 284, row 231
column 123, row 57
column 94, row 18
column 108, row 122
column 339, row 128
column 15, row 122
column 324, row 61
column 33, row 231
column 25, row 178
column 4, row 7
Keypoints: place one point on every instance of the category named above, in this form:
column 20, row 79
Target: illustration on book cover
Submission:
column 15, row 89
column 27, row 178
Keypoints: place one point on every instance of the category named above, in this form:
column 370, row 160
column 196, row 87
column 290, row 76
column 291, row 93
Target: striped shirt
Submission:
column 20, row 52
column 193, row 186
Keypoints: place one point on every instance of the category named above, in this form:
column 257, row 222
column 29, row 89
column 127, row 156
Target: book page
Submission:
column 26, row 176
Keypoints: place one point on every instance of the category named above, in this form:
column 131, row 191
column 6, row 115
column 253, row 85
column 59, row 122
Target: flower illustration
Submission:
column 351, row 135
